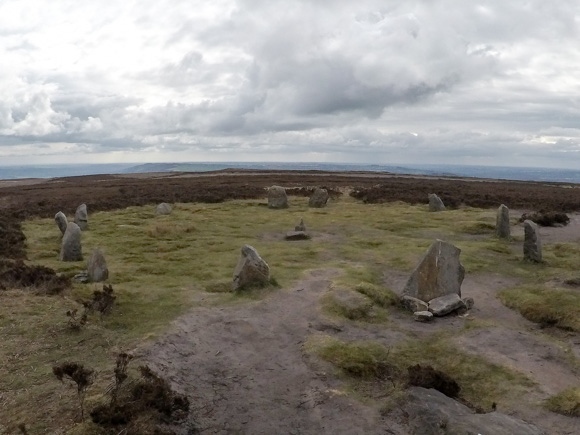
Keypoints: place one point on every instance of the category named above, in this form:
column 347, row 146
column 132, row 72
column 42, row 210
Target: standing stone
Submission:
column 435, row 203
column 251, row 270
column 61, row 221
column 300, row 226
column 97, row 269
column 81, row 217
column 319, row 198
column 532, row 243
column 277, row 197
column 438, row 274
column 71, row 249
column 502, row 222
column 163, row 208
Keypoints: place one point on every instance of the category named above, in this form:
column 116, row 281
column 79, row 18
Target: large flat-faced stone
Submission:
column 445, row 304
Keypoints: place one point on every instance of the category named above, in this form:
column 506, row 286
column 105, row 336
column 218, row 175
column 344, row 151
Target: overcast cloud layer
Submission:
column 433, row 81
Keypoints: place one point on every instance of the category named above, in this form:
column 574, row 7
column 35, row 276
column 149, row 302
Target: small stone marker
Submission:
column 97, row 269
column 277, row 197
column 81, row 217
column 71, row 249
column 423, row 316
column 435, row 203
column 163, row 208
column 439, row 273
column 502, row 222
column 414, row 304
column 300, row 226
column 250, row 270
column 297, row 235
column 61, row 221
column 445, row 304
column 532, row 243
column 318, row 199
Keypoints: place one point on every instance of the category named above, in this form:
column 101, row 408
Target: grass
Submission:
column 566, row 402
column 544, row 305
column 162, row 266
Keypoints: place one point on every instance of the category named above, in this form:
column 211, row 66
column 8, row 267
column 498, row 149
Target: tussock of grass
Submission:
column 381, row 296
column 566, row 402
column 547, row 306
column 347, row 303
column 477, row 228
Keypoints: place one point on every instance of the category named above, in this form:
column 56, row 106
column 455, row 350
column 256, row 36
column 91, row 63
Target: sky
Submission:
column 365, row 81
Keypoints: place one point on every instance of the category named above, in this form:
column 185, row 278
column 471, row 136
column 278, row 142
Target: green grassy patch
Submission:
column 566, row 402
column 544, row 305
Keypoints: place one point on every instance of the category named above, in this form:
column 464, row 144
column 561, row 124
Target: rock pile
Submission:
column 277, row 197
column 434, row 287
column 300, row 226
column 299, row 232
column 251, row 270
column 81, row 217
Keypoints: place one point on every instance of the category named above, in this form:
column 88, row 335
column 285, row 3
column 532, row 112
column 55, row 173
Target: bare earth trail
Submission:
column 244, row 369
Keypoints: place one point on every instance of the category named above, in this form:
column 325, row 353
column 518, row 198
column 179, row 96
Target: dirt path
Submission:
column 245, row 368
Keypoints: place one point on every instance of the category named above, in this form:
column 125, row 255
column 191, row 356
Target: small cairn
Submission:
column 277, row 197
column 532, row 242
column 299, row 232
column 251, row 270
column 318, row 199
column 71, row 249
column 81, row 217
column 435, row 203
column 61, row 221
column 97, row 270
column 502, row 222
column 300, row 226
column 163, row 209
column 435, row 284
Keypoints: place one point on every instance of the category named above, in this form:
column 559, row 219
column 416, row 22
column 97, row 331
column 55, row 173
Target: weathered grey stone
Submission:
column 502, row 222
column 433, row 413
column 300, row 226
column 297, row 235
column 423, row 316
column 97, row 269
column 318, row 199
column 61, row 221
column 532, row 242
column 435, row 203
column 71, row 249
column 414, row 304
column 251, row 270
column 469, row 302
column 163, row 208
column 277, row 197
column 445, row 304
column 82, row 217
column 439, row 273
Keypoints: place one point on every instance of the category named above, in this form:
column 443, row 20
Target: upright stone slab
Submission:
column 502, row 222
column 439, row 273
column 251, row 270
column 163, row 208
column 61, row 221
column 300, row 226
column 71, row 249
column 97, row 270
column 435, row 203
column 82, row 217
column 318, row 199
column 277, row 197
column 532, row 242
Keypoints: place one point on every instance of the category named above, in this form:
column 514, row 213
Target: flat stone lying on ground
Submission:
column 318, row 199
column 532, row 242
column 71, row 249
column 414, row 304
column 277, row 197
column 430, row 412
column 423, row 316
column 297, row 235
column 251, row 270
column 97, row 270
column 61, row 221
column 502, row 222
column 439, row 273
column 163, row 209
column 435, row 203
column 445, row 304
column 300, row 226
column 82, row 217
